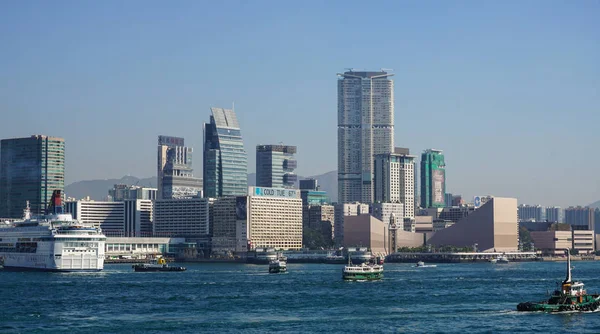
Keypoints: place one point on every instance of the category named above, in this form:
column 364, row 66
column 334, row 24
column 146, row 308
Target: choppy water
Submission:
column 220, row 298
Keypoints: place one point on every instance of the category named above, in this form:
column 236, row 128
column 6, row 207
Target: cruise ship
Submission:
column 54, row 242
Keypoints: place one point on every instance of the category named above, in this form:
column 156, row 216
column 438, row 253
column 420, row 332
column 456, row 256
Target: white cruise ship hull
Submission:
column 38, row 262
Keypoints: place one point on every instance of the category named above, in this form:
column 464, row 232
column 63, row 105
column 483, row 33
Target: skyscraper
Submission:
column 225, row 160
column 530, row 213
column 275, row 166
column 580, row 218
column 175, row 172
column 394, row 181
column 433, row 179
column 365, row 128
column 30, row 170
column 553, row 214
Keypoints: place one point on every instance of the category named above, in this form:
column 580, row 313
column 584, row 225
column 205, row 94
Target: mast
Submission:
column 568, row 279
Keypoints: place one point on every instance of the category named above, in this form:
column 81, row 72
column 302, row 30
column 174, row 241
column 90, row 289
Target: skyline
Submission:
column 513, row 106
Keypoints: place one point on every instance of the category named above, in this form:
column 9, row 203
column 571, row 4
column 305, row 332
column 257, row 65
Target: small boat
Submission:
column 422, row 264
column 570, row 298
column 362, row 272
column 493, row 260
column 278, row 266
column 156, row 265
column 502, row 259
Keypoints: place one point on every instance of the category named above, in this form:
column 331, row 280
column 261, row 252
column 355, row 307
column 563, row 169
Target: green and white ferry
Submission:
column 362, row 272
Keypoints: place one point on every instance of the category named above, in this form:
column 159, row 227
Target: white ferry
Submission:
column 55, row 242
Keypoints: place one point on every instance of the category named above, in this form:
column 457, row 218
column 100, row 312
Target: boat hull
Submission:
column 590, row 304
column 277, row 270
column 141, row 269
column 363, row 277
column 54, row 270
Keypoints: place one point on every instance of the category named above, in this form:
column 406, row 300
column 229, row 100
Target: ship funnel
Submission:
column 55, row 206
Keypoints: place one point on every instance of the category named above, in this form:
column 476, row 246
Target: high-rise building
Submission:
column 448, row 199
column 309, row 184
column 275, row 166
column 394, row 181
column 554, row 214
column 433, row 179
column 122, row 192
column 531, row 213
column 175, row 173
column 225, row 160
column 30, row 170
column 187, row 218
column 384, row 212
column 580, row 218
column 365, row 129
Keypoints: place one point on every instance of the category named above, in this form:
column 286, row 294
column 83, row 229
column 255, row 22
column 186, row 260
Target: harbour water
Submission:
column 229, row 298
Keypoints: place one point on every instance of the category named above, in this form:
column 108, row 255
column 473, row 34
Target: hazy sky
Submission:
column 510, row 90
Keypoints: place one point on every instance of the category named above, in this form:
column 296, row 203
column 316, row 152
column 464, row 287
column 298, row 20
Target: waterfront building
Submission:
column 272, row 218
column 122, row 192
column 433, row 179
column 343, row 210
column 275, row 165
column 580, row 217
column 175, row 173
column 225, row 226
column 138, row 217
column 320, row 218
column 225, row 160
column 140, row 248
column 555, row 242
column 184, row 217
column 365, row 129
column 384, row 212
column 109, row 216
column 366, row 231
column 493, row 227
column 394, row 180
column 31, row 169
column 531, row 213
column 554, row 214
column 455, row 213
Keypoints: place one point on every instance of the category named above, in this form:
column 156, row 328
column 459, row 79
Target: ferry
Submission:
column 362, row 272
column 278, row 266
column 53, row 242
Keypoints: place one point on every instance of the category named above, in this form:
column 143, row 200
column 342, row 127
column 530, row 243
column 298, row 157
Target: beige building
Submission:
column 365, row 231
column 493, row 227
column 583, row 241
column 274, row 218
column 552, row 242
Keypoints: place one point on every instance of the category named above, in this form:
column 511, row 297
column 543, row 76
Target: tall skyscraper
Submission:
column 30, row 170
column 275, row 166
column 225, row 160
column 433, row 179
column 175, row 173
column 365, row 128
column 394, row 180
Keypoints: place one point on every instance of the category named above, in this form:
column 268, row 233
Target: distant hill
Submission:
column 595, row 205
column 98, row 189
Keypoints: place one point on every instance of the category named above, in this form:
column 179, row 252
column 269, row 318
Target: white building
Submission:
column 344, row 210
column 139, row 248
column 273, row 219
column 138, row 218
column 186, row 217
column 394, row 180
column 109, row 216
column 365, row 128
column 384, row 211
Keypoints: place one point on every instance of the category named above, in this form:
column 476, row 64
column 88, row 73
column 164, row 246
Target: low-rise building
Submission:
column 345, row 210
column 139, row 248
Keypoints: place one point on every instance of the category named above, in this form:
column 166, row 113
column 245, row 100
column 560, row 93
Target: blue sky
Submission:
column 510, row 90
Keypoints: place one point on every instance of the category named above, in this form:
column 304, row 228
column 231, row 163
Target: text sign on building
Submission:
column 274, row 192
column 480, row 200
column 170, row 141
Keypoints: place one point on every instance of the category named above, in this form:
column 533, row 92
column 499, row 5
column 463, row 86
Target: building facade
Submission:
column 275, row 165
column 30, row 170
column 365, row 128
column 385, row 212
column 394, row 181
column 122, row 192
column 186, row 218
column 175, row 173
column 320, row 218
column 580, row 217
column 225, row 226
column 531, row 213
column 109, row 216
column 433, row 179
column 225, row 161
column 344, row 210
column 554, row 214
column 138, row 217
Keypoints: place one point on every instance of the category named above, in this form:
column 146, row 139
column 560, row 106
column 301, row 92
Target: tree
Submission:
column 525, row 238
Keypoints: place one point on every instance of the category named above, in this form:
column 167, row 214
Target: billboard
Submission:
column 438, row 187
column 480, row 200
column 241, row 204
column 273, row 192
column 170, row 141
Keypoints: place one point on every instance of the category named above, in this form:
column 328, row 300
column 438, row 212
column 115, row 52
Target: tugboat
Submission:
column 362, row 272
column 571, row 297
column 278, row 266
column 156, row 265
